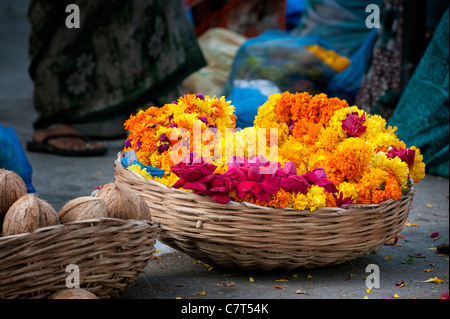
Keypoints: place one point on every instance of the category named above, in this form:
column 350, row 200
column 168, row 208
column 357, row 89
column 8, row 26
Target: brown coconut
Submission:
column 12, row 187
column 144, row 210
column 28, row 213
column 73, row 293
column 120, row 202
column 81, row 208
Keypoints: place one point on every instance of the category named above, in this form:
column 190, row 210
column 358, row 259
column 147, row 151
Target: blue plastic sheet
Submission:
column 13, row 157
column 283, row 59
column 345, row 85
column 131, row 159
column 247, row 102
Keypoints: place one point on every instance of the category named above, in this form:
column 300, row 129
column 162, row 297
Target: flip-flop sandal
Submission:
column 44, row 147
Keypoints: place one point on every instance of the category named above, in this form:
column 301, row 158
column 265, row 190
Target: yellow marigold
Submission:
column 154, row 159
column 330, row 57
column 374, row 124
column 167, row 179
column 141, row 171
column 144, row 158
column 417, row 171
column 166, row 161
column 266, row 112
column 293, row 150
column 315, row 198
column 383, row 141
column 349, row 190
column 328, row 139
column 319, row 159
column 396, row 165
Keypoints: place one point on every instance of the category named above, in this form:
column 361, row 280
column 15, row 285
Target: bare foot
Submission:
column 64, row 143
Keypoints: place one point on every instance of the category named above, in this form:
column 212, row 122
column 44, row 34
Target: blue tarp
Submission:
column 13, row 157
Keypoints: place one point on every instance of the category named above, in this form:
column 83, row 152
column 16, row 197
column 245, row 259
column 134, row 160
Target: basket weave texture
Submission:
column 249, row 236
column 110, row 253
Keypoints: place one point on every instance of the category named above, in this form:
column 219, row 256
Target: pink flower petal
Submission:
column 254, row 174
column 196, row 186
column 289, row 168
column 221, row 198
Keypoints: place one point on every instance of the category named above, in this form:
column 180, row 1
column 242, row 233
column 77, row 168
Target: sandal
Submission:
column 45, row 147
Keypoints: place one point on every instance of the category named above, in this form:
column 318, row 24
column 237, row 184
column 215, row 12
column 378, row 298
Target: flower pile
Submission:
column 163, row 136
column 361, row 157
column 327, row 152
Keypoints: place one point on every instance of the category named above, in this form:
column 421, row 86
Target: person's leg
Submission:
column 124, row 54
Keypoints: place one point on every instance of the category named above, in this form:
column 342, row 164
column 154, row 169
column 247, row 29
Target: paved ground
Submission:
column 59, row 179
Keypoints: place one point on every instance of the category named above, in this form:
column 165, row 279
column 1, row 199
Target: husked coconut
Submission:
column 81, row 208
column 144, row 210
column 12, row 187
column 120, row 202
column 73, row 293
column 28, row 213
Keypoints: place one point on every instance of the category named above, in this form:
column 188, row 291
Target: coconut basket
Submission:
column 110, row 253
column 249, row 236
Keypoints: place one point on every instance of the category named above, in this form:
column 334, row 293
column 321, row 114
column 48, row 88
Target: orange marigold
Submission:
column 369, row 183
column 344, row 167
column 283, row 107
column 330, row 200
column 307, row 131
column 301, row 102
column 279, row 199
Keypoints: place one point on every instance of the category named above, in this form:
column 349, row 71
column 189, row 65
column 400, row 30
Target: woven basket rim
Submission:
column 109, row 220
column 321, row 210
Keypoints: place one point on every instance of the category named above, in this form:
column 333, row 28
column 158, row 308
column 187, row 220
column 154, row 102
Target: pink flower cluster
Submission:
column 404, row 154
column 353, row 124
column 257, row 176
column 199, row 176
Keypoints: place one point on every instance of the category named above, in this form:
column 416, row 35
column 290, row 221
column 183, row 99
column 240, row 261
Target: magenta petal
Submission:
column 270, row 188
column 392, row 243
column 289, row 168
column 254, row 174
column 327, row 185
column 263, row 197
column 246, row 186
column 179, row 184
column 257, row 188
column 240, row 192
column 195, row 186
column 242, row 174
column 206, row 179
column 221, row 198
column 353, row 124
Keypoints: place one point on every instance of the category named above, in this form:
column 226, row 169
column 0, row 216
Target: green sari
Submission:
column 124, row 55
